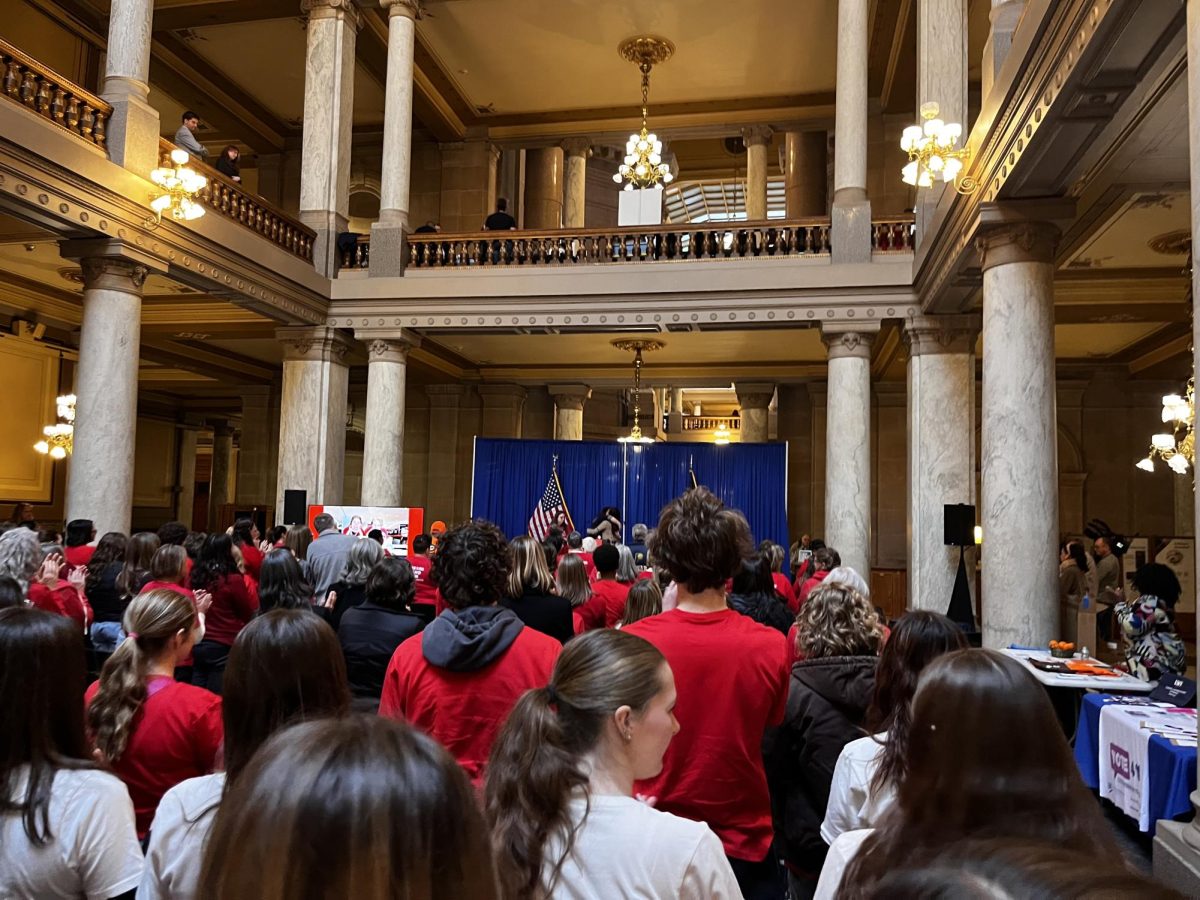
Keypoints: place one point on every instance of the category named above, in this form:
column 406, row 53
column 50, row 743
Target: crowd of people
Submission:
column 300, row 714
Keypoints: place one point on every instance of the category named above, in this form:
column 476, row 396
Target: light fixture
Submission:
column 934, row 154
column 721, row 435
column 643, row 166
column 637, row 347
column 181, row 184
column 59, row 437
column 1177, row 447
column 978, row 535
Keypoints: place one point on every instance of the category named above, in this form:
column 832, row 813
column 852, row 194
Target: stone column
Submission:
column 254, row 470
column 387, row 235
column 185, row 488
column 444, row 402
column 568, row 410
column 848, row 447
column 675, row 418
column 754, row 400
column 941, row 448
column 941, row 77
column 756, row 138
column 1177, row 844
column 805, row 173
column 1185, row 505
column 218, row 481
column 544, row 187
column 503, row 410
column 1005, row 16
column 328, row 107
column 577, row 151
column 1019, row 470
column 851, row 222
column 312, row 419
column 132, row 135
column 383, row 446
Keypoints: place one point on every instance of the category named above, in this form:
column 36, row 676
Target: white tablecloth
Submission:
column 1124, row 737
column 1118, row 684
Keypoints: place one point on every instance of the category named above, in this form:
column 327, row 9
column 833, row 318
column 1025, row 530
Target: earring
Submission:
column 628, row 736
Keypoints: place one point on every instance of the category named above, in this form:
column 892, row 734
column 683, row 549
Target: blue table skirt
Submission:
column 1172, row 768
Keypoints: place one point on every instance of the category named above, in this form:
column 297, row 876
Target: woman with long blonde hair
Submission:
column 531, row 591
column 151, row 729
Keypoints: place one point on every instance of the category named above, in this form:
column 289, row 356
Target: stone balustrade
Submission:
column 894, row 235
column 229, row 199
column 712, row 423
column 41, row 89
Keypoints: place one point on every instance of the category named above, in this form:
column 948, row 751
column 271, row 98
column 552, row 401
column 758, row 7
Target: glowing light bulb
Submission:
column 41, row 447
column 1163, row 442
column 1146, row 465
column 179, row 157
column 57, row 453
column 909, row 174
column 1178, row 464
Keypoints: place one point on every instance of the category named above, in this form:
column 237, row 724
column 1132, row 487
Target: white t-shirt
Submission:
column 841, row 854
column 852, row 803
column 178, row 834
column 94, row 851
column 630, row 850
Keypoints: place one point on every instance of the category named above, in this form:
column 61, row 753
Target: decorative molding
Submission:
column 754, row 395
column 410, row 9
column 756, row 134
column 113, row 274
column 928, row 335
column 1017, row 242
column 570, row 396
column 316, row 344
column 841, row 344
column 384, row 350
column 329, row 9
column 577, row 146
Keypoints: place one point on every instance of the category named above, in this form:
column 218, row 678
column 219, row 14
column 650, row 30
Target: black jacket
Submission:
column 548, row 613
column 348, row 597
column 765, row 609
column 369, row 635
column 827, row 702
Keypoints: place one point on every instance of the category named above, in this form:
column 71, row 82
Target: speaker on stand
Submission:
column 959, row 531
column 295, row 507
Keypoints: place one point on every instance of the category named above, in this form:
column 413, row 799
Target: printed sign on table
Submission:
column 1124, row 743
column 396, row 522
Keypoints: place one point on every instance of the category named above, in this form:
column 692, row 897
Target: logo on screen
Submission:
column 1118, row 758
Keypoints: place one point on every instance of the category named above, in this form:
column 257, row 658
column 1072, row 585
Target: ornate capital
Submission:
column 384, row 350
column 924, row 335
column 1017, row 242
column 410, row 9
column 840, row 344
column 315, row 344
column 570, row 396
column 756, row 134
column 754, row 395
column 108, row 273
column 330, row 9
column 577, row 146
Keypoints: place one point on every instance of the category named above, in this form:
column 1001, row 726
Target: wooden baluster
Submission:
column 87, row 121
column 12, row 77
column 58, row 105
column 71, row 115
column 28, row 88
column 44, row 97
column 100, row 133
column 825, row 245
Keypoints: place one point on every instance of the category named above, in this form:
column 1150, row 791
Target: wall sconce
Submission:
column 181, row 184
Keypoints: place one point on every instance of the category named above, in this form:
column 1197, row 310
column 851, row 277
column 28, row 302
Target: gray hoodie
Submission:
column 469, row 639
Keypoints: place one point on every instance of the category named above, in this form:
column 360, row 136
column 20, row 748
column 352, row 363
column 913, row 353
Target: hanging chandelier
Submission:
column 933, row 152
column 59, row 437
column 637, row 347
column 181, row 184
column 721, row 435
column 643, row 166
column 1177, row 447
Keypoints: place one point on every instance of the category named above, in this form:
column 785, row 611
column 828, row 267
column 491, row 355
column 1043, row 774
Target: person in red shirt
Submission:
column 606, row 589
column 232, row 607
column 246, row 538
column 458, row 679
column 823, row 561
column 732, row 680
column 571, row 581
column 39, row 578
column 80, row 534
column 151, row 729
column 422, row 566
column 575, row 548
column 783, row 585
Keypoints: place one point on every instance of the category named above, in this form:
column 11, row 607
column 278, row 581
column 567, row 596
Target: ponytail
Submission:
column 151, row 620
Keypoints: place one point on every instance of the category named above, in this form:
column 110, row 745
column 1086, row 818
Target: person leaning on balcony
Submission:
column 186, row 138
column 500, row 220
column 227, row 163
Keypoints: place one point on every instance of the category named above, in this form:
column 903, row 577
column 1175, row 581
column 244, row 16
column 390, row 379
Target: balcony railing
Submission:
column 41, row 89
column 896, row 235
column 711, row 423
column 229, row 199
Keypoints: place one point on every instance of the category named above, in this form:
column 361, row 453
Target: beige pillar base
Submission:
column 132, row 136
column 850, row 227
column 328, row 225
column 389, row 249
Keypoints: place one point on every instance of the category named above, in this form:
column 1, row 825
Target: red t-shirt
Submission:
column 588, row 565
column 732, row 682
column 590, row 614
column 78, row 556
column 176, row 736
column 612, row 594
column 464, row 711
column 811, row 584
column 252, row 558
column 64, row 600
column 784, row 589
column 422, row 567
column 232, row 608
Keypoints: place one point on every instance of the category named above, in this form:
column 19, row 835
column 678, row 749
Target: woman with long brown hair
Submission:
column 104, row 594
column 869, row 768
column 391, row 812
column 216, row 571
column 559, row 788
column 986, row 759
column 139, row 554
column 152, row 730
column 285, row 667
column 571, row 581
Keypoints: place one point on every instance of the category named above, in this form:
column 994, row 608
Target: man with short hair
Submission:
column 500, row 220
column 608, row 594
column 1108, row 587
column 327, row 555
column 172, row 532
column 638, row 547
column 575, row 546
column 459, row 678
column 78, row 550
column 422, row 566
column 185, row 137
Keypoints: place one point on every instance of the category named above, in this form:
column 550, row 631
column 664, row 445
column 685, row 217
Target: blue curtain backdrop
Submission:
column 510, row 476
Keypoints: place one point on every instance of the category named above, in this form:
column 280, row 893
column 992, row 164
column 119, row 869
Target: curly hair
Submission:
column 472, row 564
column 699, row 541
column 837, row 621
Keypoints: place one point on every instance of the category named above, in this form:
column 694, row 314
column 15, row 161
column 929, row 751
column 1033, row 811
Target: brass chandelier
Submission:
column 643, row 166
column 58, row 439
column 182, row 184
column 1177, row 447
column 635, row 435
column 934, row 154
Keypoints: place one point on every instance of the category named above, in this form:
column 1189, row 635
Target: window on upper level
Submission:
column 718, row 200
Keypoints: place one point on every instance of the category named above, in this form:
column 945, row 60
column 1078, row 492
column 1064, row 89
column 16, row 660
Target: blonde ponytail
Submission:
column 151, row 620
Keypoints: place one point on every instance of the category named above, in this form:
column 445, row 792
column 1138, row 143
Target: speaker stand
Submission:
column 960, row 611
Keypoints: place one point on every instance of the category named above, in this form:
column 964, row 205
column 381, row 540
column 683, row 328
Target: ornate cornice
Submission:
column 1017, row 242
column 317, row 344
column 928, row 335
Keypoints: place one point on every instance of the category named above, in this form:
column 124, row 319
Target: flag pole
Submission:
column 558, row 484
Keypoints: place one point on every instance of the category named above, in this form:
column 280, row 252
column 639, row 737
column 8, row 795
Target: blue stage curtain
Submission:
column 510, row 477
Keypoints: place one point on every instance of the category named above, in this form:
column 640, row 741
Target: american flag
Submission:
column 551, row 510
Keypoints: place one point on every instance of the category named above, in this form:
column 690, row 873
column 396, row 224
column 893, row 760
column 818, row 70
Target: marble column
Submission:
column 848, row 447
column 1185, row 505
column 544, row 188
column 756, row 138
column 1177, row 844
column 132, row 135
column 218, row 481
column 941, row 448
column 387, row 235
column 185, row 490
column 1019, row 440
column 312, row 419
column 328, row 110
column 805, row 173
column 675, row 418
column 941, row 78
column 851, row 214
column 568, row 410
column 255, row 471
column 755, row 401
column 444, row 406
column 577, row 151
column 1005, row 16
column 503, row 410
column 383, row 446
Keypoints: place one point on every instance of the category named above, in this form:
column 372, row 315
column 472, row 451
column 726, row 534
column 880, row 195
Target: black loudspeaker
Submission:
column 959, row 524
column 295, row 507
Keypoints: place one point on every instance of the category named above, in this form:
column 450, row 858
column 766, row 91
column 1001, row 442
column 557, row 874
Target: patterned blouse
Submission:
column 1154, row 647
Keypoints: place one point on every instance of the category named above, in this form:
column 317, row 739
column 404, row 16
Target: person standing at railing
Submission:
column 185, row 137
column 227, row 164
column 500, row 220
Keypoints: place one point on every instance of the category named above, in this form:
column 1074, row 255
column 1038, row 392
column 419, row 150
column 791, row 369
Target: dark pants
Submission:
column 208, row 665
column 801, row 887
column 761, row 880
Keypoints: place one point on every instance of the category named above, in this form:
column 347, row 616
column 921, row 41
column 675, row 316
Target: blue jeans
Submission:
column 106, row 636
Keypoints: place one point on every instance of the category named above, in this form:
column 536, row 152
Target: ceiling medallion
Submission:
column 1172, row 243
column 637, row 346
